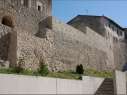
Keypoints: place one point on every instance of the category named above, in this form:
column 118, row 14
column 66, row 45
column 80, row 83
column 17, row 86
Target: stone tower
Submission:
column 20, row 22
column 25, row 13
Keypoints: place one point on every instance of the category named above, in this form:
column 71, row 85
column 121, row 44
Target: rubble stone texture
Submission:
column 31, row 36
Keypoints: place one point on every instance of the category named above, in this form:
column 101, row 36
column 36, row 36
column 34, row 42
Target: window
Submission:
column 109, row 26
column 113, row 28
column 117, row 31
column 22, row 2
column 121, row 33
column 26, row 3
column 39, row 6
column 125, row 35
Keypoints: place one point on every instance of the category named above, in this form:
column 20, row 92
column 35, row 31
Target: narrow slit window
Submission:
column 39, row 6
column 26, row 3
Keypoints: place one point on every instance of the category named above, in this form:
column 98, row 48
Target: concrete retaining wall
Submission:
column 19, row 84
column 120, row 83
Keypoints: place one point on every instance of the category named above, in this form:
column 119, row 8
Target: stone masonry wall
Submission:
column 25, row 17
column 120, row 54
column 75, row 47
column 23, row 40
column 4, row 42
column 37, row 38
column 62, row 48
column 33, row 50
column 93, row 22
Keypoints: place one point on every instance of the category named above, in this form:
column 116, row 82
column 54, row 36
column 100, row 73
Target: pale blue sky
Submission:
column 65, row 10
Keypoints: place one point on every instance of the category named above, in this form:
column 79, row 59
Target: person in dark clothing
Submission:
column 124, row 67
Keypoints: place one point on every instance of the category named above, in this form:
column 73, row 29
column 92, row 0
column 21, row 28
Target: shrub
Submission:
column 43, row 70
column 79, row 69
column 20, row 65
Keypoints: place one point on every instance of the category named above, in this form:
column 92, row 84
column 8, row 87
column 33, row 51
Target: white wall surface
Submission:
column 19, row 84
column 120, row 83
column 69, row 86
column 91, row 84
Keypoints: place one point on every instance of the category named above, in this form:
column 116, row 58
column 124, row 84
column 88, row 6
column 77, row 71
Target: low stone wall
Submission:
column 19, row 84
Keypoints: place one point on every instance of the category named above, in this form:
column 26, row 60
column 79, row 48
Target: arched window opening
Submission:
column 6, row 20
column 39, row 6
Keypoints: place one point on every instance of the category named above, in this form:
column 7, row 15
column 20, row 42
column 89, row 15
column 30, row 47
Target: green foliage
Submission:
column 7, row 71
column 43, row 70
column 64, row 75
column 93, row 72
column 27, row 72
column 14, row 71
column 79, row 69
column 19, row 67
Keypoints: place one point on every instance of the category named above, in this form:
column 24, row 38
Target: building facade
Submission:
column 21, row 22
column 113, row 33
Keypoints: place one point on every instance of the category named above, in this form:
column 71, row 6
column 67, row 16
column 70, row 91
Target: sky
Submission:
column 65, row 10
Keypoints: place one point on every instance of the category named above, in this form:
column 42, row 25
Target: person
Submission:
column 124, row 67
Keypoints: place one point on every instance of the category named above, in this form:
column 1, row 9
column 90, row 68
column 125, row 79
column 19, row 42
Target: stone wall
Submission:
column 63, row 47
column 75, row 47
column 36, row 38
column 96, row 23
column 24, row 17
column 33, row 50
column 123, row 53
column 120, row 54
column 115, row 44
column 4, row 41
column 24, row 44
